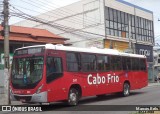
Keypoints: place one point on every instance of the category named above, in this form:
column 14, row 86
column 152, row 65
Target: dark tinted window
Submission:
column 135, row 63
column 142, row 64
column 116, row 63
column 73, row 62
column 103, row 63
column 54, row 68
column 126, row 63
column 88, row 62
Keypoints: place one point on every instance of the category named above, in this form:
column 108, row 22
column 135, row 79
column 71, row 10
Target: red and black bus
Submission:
column 49, row 73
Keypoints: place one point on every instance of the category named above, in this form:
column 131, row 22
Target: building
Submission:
column 24, row 36
column 105, row 24
column 156, row 67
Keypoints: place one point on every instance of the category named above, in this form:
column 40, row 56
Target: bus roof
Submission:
column 88, row 50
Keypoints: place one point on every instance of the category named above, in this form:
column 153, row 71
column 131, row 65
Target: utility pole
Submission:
column 130, row 35
column 6, row 52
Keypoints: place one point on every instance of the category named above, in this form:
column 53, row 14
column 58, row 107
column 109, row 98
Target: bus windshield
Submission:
column 26, row 71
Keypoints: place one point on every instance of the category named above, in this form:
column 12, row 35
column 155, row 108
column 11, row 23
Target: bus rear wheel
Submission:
column 73, row 97
column 126, row 89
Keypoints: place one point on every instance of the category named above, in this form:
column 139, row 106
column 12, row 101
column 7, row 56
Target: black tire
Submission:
column 126, row 89
column 73, row 97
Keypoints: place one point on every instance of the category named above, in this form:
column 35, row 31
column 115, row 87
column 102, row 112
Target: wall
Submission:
column 1, row 78
column 70, row 21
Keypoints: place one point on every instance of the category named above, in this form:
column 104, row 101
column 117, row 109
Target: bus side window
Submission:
column 124, row 64
column 73, row 62
column 128, row 63
column 103, row 62
column 142, row 64
column 116, row 62
column 135, row 64
column 88, row 62
column 54, row 68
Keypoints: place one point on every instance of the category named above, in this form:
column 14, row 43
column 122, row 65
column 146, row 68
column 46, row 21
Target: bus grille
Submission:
column 26, row 98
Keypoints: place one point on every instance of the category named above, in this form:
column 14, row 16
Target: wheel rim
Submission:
column 73, row 97
column 126, row 89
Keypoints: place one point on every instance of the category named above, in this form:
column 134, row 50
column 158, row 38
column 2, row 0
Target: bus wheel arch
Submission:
column 126, row 88
column 74, row 94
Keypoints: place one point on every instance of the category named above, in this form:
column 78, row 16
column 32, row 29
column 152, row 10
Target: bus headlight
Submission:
column 39, row 89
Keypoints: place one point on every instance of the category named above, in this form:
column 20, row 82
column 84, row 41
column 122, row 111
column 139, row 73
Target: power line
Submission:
column 60, row 26
column 44, row 14
column 52, row 13
column 68, row 28
column 77, row 29
column 66, row 20
column 68, row 11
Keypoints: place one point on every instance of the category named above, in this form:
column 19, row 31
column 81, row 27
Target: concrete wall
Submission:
column 70, row 22
column 1, row 78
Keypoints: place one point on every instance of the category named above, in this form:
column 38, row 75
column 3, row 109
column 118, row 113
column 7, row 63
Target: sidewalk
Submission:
column 154, row 84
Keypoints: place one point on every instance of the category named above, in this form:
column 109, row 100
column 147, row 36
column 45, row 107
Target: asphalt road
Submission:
column 146, row 96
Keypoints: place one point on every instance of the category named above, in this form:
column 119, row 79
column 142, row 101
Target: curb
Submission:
column 154, row 84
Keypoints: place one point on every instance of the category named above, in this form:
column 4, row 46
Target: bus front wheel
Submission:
column 73, row 97
column 126, row 89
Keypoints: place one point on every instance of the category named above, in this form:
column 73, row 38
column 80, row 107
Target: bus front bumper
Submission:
column 34, row 98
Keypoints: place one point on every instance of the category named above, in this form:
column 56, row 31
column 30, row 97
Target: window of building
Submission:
column 107, row 23
column 115, row 16
column 133, row 20
column 133, row 29
column 133, row 36
column 107, row 13
column 111, row 14
column 116, row 32
column 115, row 25
column 119, row 33
column 118, row 24
column 112, row 32
column 119, row 16
column 111, row 24
column 107, row 31
column 122, row 17
column 126, row 18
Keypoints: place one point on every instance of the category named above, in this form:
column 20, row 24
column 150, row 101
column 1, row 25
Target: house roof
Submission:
column 32, row 34
column 33, row 31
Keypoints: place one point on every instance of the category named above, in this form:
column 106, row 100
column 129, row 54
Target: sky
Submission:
column 37, row 7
